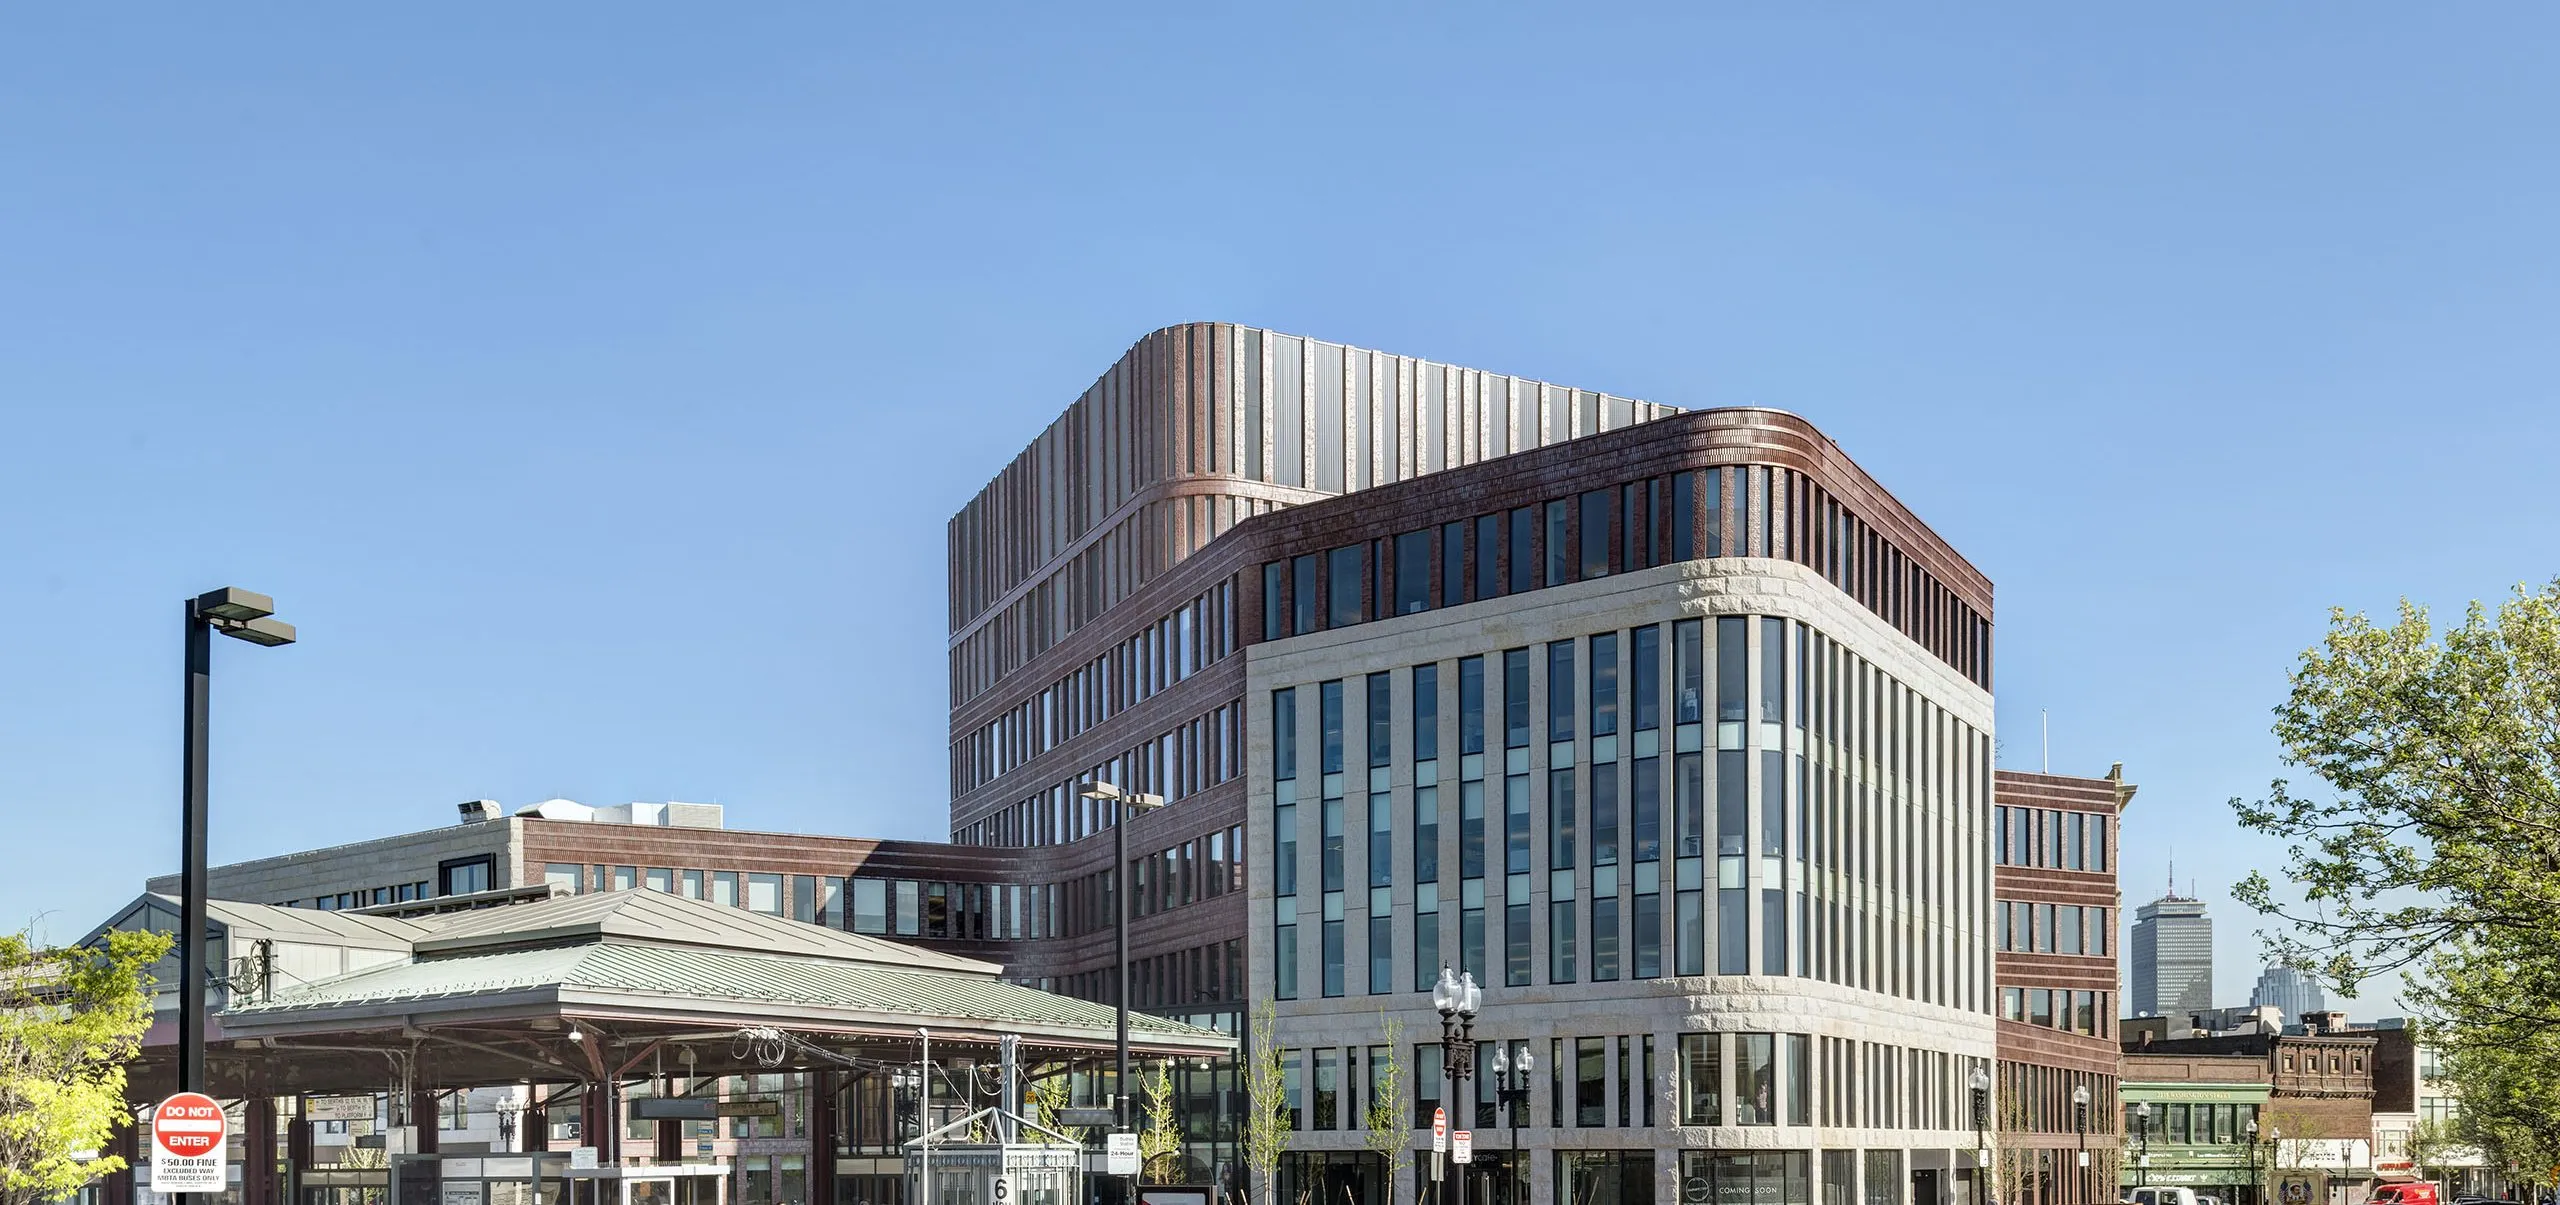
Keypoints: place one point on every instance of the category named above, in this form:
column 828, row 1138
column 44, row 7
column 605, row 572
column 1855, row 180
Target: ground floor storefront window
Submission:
column 1335, row 1177
column 1604, row 1177
column 1746, row 1177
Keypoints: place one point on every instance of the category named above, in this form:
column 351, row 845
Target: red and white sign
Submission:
column 1466, row 1147
column 187, row 1135
column 1439, row 1130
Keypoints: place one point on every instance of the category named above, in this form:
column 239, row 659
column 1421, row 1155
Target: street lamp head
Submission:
column 1445, row 994
column 1981, row 1080
column 267, row 632
column 234, row 604
column 1106, row 792
column 2080, row 1095
column 2142, row 1112
column 1471, row 997
column 2253, row 1129
column 1501, row 1061
column 1523, row 1062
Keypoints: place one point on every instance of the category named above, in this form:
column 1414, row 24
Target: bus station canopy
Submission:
column 605, row 986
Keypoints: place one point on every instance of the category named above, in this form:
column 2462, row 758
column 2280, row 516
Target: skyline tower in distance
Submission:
column 2172, row 956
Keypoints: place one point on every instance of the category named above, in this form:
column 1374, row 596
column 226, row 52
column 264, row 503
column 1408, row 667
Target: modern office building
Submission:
column 2172, row 958
column 1673, row 729
column 2289, row 990
column 2056, row 900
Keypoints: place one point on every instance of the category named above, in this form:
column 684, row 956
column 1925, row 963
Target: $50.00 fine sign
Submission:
column 187, row 1134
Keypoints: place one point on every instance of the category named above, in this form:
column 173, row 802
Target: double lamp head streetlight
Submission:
column 240, row 615
column 1125, row 804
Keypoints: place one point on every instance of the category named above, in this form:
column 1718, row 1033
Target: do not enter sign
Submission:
column 187, row 1133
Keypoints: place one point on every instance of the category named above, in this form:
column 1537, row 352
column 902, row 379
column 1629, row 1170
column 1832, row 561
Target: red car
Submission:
column 2413, row 1193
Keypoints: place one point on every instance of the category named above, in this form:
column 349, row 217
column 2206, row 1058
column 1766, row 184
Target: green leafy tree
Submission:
column 2439, row 830
column 1387, row 1128
column 1160, row 1140
column 2434, row 845
column 70, row 1020
column 1266, row 1107
column 1049, row 1098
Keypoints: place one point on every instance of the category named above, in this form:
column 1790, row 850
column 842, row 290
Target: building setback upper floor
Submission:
column 1146, row 689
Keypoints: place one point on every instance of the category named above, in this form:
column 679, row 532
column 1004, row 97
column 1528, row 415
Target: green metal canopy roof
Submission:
column 664, row 961
column 685, row 978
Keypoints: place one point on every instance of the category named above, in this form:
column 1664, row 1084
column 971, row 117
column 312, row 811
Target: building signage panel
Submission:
column 1120, row 1154
column 467, row 1192
column 338, row 1108
column 188, row 1132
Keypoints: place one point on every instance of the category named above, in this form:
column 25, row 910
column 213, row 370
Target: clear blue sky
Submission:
column 592, row 383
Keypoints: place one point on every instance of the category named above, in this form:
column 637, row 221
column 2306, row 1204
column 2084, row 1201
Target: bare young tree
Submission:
column 1387, row 1128
column 1266, row 1110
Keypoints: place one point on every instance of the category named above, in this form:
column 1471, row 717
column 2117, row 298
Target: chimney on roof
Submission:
column 477, row 811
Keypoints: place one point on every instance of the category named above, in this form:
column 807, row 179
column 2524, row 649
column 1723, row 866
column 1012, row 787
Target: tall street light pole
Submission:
column 240, row 615
column 1980, row 1082
column 1458, row 999
column 1125, row 804
column 1513, row 1100
column 2080, row 1122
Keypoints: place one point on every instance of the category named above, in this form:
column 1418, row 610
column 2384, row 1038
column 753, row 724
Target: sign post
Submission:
column 1464, row 1147
column 1120, row 1154
column 1439, row 1139
column 187, row 1137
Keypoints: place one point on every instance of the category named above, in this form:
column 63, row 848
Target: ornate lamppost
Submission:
column 1458, row 999
column 1513, row 1100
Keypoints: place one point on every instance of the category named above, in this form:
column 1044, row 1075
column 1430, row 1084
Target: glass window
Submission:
column 1382, row 720
column 464, row 876
column 908, row 900
column 2098, row 843
column 870, row 906
column 1604, row 938
column 1332, row 958
column 1701, row 1079
column 1471, row 829
column 1560, row 708
column 1453, row 564
column 1562, row 848
column 1284, row 733
column 1413, row 572
column 692, row 885
column 1329, row 726
column 1797, row 1066
column 1563, row 952
column 1644, row 677
column 1330, row 857
column 1604, row 684
column 1488, row 556
column 626, row 878
column 1559, row 553
column 1522, row 523
column 1590, row 1082
column 1471, row 705
column 564, row 876
column 1274, row 616
column 764, row 893
column 1596, row 506
column 1755, row 1079
column 1426, row 712
column 1515, row 698
column 1515, row 940
column 724, row 888
column 1604, row 813
column 1382, row 955
column 1302, row 594
column 1688, row 672
column 1684, row 516
column 659, row 878
column 2067, row 930
column 1284, row 962
column 1342, row 587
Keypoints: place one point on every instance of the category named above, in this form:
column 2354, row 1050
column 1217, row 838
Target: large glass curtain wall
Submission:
column 1741, row 795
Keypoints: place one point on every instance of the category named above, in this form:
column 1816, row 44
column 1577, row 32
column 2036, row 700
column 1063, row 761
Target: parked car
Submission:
column 2207, row 1199
column 2163, row 1195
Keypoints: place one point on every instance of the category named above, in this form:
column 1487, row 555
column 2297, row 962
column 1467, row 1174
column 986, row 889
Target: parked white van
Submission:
column 2160, row 1196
